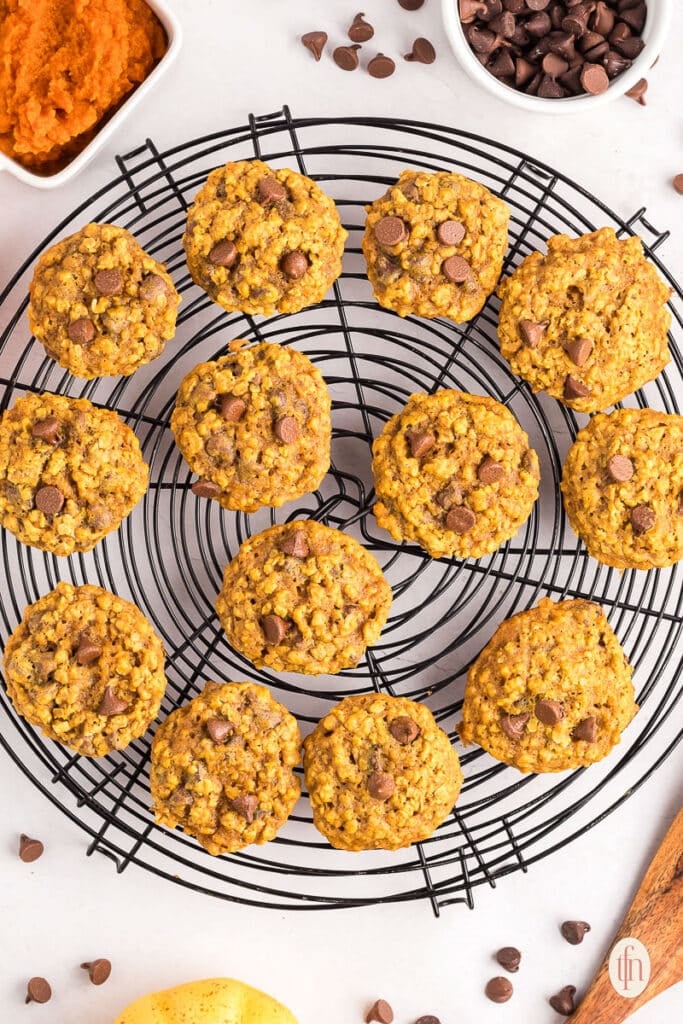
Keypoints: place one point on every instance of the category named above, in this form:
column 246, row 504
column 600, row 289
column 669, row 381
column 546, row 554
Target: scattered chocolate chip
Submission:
column 404, row 730
column 38, row 991
column 98, row 970
column 29, row 849
column 460, row 519
column 152, row 287
column 88, row 651
column 574, row 931
column 514, row 725
column 294, row 265
column 270, row 190
column 450, row 232
column 111, row 704
column 381, row 66
column 421, row 442
column 219, row 729
column 381, row 785
column 586, row 730
column 246, row 806
column 49, row 500
column 410, row 5
column 109, row 282
column 274, row 628
column 360, row 30
column 678, row 184
column 81, row 331
column 578, row 350
column 532, row 332
column 223, row 254
column 637, row 92
column 594, row 79
column 456, row 269
column 549, row 712
column 205, row 489
column 346, row 58
column 490, row 471
column 286, row 429
column 390, row 230
column 422, row 52
column 499, row 990
column 643, row 519
column 315, row 42
column 620, row 468
column 574, row 388
column 295, row 544
column 428, row 1018
column 380, row 1011
column 232, row 408
column 510, row 958
column 47, row 430
column 563, row 1001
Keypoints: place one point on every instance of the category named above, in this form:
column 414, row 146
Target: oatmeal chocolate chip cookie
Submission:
column 586, row 322
column 255, row 426
column 303, row 597
column 454, row 473
column 434, row 245
column 223, row 767
column 100, row 305
column 260, row 240
column 623, row 488
column 69, row 472
column 86, row 667
column 380, row 772
column 551, row 690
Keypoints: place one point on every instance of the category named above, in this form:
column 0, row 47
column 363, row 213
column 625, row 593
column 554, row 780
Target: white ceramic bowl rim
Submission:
column 174, row 36
column 655, row 34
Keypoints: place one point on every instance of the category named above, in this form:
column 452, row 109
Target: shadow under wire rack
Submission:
column 169, row 555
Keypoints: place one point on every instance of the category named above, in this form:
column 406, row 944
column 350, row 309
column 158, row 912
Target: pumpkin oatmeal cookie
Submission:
column 586, row 322
column 255, row 427
column 87, row 668
column 100, row 305
column 380, row 772
column 551, row 690
column 261, row 240
column 303, row 597
column 69, row 472
column 223, row 767
column 455, row 474
column 434, row 245
column 623, row 488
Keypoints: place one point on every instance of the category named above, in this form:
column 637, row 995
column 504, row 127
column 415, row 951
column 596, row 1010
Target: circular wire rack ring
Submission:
column 169, row 554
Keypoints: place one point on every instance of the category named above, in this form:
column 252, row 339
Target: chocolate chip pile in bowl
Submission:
column 554, row 48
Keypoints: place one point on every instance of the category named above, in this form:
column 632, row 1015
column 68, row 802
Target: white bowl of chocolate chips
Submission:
column 557, row 56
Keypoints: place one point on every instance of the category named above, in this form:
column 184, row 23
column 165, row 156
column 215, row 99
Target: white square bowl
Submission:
column 174, row 36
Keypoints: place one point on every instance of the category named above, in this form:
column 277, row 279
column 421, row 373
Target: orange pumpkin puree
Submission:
column 66, row 64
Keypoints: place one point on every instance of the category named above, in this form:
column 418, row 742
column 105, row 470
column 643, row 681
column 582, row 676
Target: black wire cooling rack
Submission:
column 169, row 555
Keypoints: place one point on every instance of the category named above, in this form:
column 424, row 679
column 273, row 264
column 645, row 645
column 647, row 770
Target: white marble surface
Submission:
column 240, row 58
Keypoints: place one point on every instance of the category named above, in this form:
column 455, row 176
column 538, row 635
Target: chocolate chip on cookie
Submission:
column 29, row 849
column 390, row 230
column 549, row 712
column 421, row 442
column 381, row 1012
column 286, row 429
column 111, row 704
column 47, row 430
column 98, row 970
column 205, row 489
column 456, row 269
column 574, row 931
column 460, row 519
column 532, row 332
column 270, row 190
column 152, row 287
column 578, row 350
column 219, row 729
column 274, row 628
column 587, row 729
column 620, row 468
column 232, row 408
column 88, row 651
column 490, row 471
column 246, row 806
column 381, row 785
column 49, row 500
column 450, row 232
column 643, row 518
column 294, row 265
column 514, row 725
column 295, row 544
column 449, row 496
column 574, row 388
column 404, row 730
column 109, row 282
column 81, row 331
column 510, row 958
column 223, row 254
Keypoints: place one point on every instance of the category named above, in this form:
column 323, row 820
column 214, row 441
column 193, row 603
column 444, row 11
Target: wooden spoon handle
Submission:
column 655, row 918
